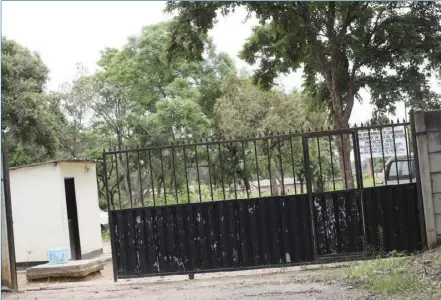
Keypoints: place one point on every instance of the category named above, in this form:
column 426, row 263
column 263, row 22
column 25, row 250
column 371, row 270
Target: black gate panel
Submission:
column 210, row 236
column 227, row 212
column 392, row 217
column 338, row 220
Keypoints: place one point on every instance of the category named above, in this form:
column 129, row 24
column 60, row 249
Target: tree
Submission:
column 245, row 110
column 31, row 120
column 388, row 48
column 135, row 81
column 175, row 120
column 140, row 98
column 76, row 103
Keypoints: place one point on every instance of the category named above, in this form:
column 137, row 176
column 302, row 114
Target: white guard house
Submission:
column 55, row 205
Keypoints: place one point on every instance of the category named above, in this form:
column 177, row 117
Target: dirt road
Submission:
column 289, row 283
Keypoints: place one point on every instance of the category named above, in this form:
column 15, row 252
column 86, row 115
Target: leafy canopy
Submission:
column 31, row 119
column 244, row 110
column 389, row 48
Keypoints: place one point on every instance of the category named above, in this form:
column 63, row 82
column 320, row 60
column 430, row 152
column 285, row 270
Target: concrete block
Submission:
column 435, row 162
column 73, row 269
column 434, row 141
column 438, row 223
column 420, row 124
column 426, row 188
column 437, row 203
column 436, row 183
column 432, row 119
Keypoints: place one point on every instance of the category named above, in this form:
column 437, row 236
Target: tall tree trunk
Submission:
column 172, row 173
column 160, row 181
column 344, row 151
column 125, row 169
column 341, row 114
column 241, row 173
column 274, row 185
column 342, row 100
column 370, row 168
column 247, row 185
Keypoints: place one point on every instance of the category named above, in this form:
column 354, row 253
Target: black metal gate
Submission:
column 337, row 212
column 262, row 201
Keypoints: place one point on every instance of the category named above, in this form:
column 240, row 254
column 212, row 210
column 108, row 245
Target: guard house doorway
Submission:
column 72, row 219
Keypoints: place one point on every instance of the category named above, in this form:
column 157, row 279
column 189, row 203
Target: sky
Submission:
column 67, row 33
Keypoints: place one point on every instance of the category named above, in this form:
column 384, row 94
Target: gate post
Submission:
column 8, row 244
column 309, row 192
column 423, row 180
column 358, row 171
column 110, row 215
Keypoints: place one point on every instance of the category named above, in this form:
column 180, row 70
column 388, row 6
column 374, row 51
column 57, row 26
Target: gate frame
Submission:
column 420, row 200
column 309, row 192
column 6, row 197
column 110, row 217
column 353, row 132
column 305, row 136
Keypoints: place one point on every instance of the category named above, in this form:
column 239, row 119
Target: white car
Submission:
column 104, row 220
column 401, row 164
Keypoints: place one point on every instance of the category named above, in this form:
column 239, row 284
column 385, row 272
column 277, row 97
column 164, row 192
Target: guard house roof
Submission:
column 57, row 161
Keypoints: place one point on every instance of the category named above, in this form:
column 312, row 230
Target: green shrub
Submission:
column 106, row 235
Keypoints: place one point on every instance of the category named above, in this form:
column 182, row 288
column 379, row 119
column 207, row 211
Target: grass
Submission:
column 390, row 276
column 399, row 276
column 411, row 277
column 367, row 182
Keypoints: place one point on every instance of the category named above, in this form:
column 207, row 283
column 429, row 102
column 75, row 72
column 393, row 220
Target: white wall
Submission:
column 40, row 218
column 86, row 192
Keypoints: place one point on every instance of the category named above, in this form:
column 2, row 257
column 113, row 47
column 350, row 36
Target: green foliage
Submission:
column 157, row 100
column 384, row 276
column 391, row 49
column 31, row 120
column 245, row 110
column 105, row 235
column 76, row 100
column 388, row 48
column 142, row 98
column 190, row 195
column 174, row 120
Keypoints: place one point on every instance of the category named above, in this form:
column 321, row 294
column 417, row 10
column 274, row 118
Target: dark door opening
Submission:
column 72, row 217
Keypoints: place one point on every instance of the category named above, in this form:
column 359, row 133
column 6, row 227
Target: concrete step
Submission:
column 72, row 269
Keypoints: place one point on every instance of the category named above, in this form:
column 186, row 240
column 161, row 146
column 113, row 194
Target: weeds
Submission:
column 384, row 276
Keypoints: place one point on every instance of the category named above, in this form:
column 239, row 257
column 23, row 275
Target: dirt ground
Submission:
column 274, row 284
column 320, row 282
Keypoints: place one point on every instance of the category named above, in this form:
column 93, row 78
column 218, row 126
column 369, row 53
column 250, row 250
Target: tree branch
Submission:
column 331, row 22
column 349, row 102
column 312, row 40
column 350, row 16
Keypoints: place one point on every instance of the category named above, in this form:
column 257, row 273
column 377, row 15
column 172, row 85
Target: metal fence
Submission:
column 256, row 167
column 261, row 201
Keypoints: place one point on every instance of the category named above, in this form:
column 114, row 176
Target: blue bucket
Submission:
column 57, row 256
